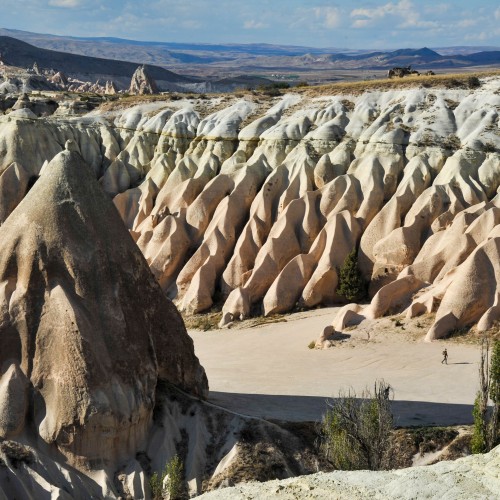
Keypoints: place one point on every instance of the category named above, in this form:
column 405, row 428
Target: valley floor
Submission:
column 268, row 371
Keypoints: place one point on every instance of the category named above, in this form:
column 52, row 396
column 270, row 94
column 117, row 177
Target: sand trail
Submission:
column 268, row 371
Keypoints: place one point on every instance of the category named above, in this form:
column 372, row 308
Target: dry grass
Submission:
column 451, row 80
column 268, row 451
column 203, row 322
column 454, row 442
column 204, row 106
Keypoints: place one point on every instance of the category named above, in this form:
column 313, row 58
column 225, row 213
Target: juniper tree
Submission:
column 351, row 285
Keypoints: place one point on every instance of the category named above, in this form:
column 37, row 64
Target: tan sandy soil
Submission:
column 269, row 371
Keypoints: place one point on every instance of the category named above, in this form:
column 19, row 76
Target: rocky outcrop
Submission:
column 253, row 205
column 84, row 321
column 142, row 83
column 214, row 445
column 60, row 78
column 111, row 88
column 475, row 476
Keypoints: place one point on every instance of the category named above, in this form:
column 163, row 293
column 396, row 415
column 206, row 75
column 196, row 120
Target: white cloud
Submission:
column 67, row 4
column 329, row 15
column 315, row 19
column 467, row 23
column 497, row 14
column 361, row 23
column 481, row 37
column 404, row 9
column 439, row 8
column 254, row 25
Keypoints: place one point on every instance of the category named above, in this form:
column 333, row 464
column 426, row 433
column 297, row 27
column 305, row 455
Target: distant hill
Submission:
column 417, row 58
column 490, row 57
column 14, row 52
column 84, row 45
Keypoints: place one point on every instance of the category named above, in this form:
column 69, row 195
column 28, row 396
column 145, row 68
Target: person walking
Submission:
column 445, row 357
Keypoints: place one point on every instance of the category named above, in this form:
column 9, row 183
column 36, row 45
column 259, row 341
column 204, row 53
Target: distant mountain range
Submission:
column 181, row 56
column 226, row 67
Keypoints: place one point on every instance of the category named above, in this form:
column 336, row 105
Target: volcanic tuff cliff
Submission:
column 255, row 202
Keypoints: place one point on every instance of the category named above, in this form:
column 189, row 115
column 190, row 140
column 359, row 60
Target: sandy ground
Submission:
column 269, row 371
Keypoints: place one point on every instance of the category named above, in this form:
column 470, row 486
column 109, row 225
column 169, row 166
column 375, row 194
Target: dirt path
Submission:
column 268, row 371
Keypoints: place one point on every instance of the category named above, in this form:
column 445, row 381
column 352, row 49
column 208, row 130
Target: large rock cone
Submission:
column 142, row 82
column 83, row 317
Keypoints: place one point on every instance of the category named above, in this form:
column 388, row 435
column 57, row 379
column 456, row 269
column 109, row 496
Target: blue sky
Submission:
column 341, row 23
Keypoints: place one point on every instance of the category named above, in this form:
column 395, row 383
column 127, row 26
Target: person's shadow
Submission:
column 462, row 363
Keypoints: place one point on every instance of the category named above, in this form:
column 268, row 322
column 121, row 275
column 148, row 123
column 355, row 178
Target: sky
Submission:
column 340, row 23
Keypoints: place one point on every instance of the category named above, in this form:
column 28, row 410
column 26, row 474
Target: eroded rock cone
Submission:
column 142, row 82
column 111, row 88
column 60, row 78
column 83, row 317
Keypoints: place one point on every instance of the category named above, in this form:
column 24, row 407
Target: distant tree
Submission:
column 351, row 285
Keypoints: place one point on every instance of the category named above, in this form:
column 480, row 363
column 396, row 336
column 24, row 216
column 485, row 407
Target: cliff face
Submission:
column 256, row 203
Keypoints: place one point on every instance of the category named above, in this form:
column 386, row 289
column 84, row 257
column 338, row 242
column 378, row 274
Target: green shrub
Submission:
column 351, row 285
column 156, row 484
column 174, row 486
column 486, row 433
column 174, row 481
column 473, row 82
column 494, row 434
column 478, row 441
column 356, row 431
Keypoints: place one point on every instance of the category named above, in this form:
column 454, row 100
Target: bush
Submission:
column 174, row 486
column 452, row 142
column 473, row 82
column 273, row 89
column 156, row 484
column 486, row 433
column 356, row 432
column 351, row 285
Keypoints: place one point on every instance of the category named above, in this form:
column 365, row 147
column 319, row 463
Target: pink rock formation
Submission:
column 255, row 206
